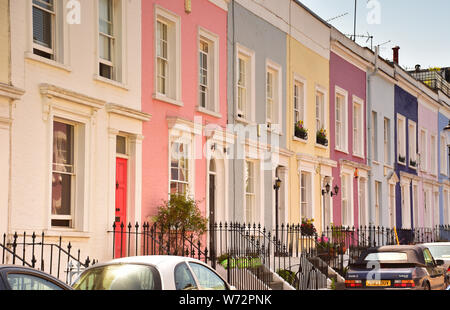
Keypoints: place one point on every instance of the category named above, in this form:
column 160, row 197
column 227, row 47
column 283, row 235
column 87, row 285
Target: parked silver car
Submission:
column 157, row 272
column 441, row 250
column 19, row 278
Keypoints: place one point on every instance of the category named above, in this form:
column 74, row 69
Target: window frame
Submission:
column 188, row 170
column 276, row 105
column 359, row 128
column 443, row 155
column 36, row 45
column 433, row 154
column 343, row 134
column 412, row 144
column 250, row 194
column 245, row 113
column 302, row 99
column 174, row 84
column 423, row 147
column 401, row 143
column 386, row 140
column 112, row 42
column 212, row 103
column 306, row 200
column 73, row 176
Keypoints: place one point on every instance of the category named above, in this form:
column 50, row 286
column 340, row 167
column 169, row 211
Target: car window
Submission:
column 119, row 277
column 440, row 251
column 27, row 282
column 183, row 278
column 207, row 278
column 386, row 256
column 428, row 257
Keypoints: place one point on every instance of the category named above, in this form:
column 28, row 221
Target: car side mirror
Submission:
column 439, row 262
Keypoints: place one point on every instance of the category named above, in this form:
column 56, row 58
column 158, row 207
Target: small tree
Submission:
column 178, row 216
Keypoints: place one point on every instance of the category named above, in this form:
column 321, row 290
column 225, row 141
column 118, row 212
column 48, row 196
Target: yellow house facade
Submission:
column 307, row 116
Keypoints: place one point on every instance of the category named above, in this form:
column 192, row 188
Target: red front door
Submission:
column 121, row 207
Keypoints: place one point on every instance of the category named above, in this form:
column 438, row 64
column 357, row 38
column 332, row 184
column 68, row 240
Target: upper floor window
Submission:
column 44, row 28
column 358, row 128
column 433, row 154
column 320, row 110
column 107, row 39
column 412, row 137
column 341, row 120
column 208, row 69
column 250, row 192
column 401, row 139
column 443, row 155
column 386, row 141
column 273, row 93
column 423, row 150
column 244, row 83
column 168, row 56
column 299, row 101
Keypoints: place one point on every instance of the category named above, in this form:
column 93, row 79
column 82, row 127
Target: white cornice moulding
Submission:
column 127, row 112
column 69, row 95
column 11, row 92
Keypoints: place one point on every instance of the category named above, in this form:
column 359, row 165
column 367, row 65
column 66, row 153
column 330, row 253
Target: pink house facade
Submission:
column 348, row 137
column 184, row 76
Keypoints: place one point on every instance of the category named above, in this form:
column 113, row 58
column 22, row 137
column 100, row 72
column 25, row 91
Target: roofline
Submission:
column 312, row 13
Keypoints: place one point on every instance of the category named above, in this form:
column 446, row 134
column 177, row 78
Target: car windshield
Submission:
column 387, row 257
column 440, row 251
column 119, row 277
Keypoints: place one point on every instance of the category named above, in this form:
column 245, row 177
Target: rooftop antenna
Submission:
column 368, row 36
column 354, row 23
column 336, row 17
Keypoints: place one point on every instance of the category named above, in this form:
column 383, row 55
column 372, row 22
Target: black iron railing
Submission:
column 37, row 251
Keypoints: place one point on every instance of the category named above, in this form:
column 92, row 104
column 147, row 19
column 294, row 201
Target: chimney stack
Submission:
column 395, row 49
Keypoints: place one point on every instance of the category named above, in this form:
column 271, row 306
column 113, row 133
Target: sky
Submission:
column 421, row 28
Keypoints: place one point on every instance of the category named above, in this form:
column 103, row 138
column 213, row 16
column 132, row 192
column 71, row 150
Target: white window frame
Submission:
column 189, row 161
column 401, row 138
column 405, row 204
column 378, row 211
column 276, row 101
column 343, row 134
column 374, row 136
column 347, row 195
column 436, row 208
column 320, row 113
column 54, row 21
column 412, row 143
column 433, row 154
column 173, row 90
column 73, row 175
column 423, row 149
column 443, row 155
column 306, row 200
column 386, row 140
column 212, row 104
column 247, row 112
column 250, row 212
column 358, row 140
column 300, row 99
column 392, row 205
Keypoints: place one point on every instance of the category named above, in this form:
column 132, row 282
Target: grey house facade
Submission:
column 257, row 118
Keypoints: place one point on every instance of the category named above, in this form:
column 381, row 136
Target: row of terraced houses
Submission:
column 101, row 118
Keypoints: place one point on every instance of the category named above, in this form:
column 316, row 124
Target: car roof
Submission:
column 155, row 260
column 414, row 252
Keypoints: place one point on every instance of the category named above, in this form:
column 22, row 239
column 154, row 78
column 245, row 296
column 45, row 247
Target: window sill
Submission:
column 117, row 84
column 167, row 100
column 375, row 162
column 274, row 131
column 66, row 232
column 358, row 155
column 242, row 120
column 340, row 150
column 49, row 62
column 209, row 112
column 299, row 139
column 320, row 146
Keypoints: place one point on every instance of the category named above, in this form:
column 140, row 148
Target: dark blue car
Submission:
column 396, row 267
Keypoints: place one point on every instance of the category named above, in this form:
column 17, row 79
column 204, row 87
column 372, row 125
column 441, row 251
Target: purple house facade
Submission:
column 348, row 138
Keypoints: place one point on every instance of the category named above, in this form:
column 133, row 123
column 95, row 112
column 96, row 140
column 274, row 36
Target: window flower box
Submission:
column 300, row 131
column 321, row 137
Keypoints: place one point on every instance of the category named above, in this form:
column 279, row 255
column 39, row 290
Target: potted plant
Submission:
column 307, row 228
column 412, row 163
column 300, row 131
column 321, row 137
column 401, row 158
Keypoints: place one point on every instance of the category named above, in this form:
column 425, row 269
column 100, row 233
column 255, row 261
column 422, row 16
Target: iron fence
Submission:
column 38, row 252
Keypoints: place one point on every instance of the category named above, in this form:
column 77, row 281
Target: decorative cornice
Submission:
column 127, row 112
column 50, row 91
column 11, row 92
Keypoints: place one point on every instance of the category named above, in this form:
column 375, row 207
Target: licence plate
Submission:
column 378, row 283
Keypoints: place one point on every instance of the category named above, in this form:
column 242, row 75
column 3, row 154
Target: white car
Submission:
column 441, row 250
column 157, row 272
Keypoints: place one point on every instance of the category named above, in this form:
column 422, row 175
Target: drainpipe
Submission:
column 369, row 133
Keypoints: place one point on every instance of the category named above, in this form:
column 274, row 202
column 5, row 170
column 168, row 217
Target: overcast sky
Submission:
column 421, row 28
